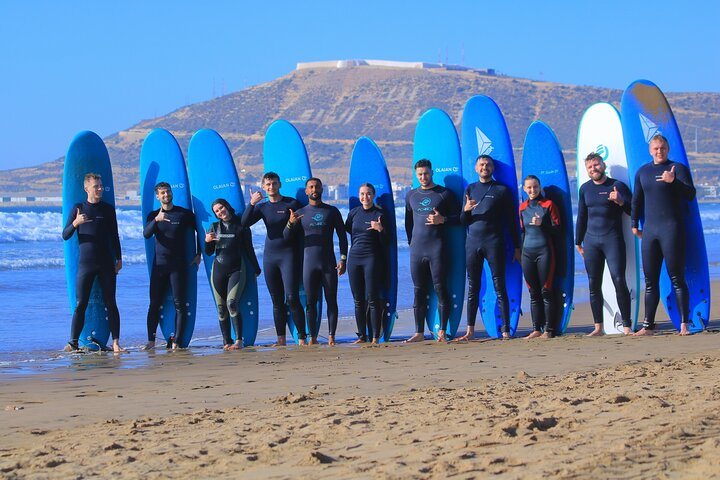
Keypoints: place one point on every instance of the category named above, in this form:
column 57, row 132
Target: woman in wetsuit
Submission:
column 539, row 219
column 365, row 263
column 229, row 240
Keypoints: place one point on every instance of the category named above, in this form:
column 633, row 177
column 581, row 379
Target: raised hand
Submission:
column 668, row 176
column 615, row 197
column 255, row 197
column 80, row 218
column 294, row 217
column 435, row 218
column 536, row 220
column 161, row 217
column 469, row 203
column 376, row 224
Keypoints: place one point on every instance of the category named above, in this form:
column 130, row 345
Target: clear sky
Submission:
column 69, row 65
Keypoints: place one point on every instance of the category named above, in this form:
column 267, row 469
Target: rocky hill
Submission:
column 331, row 107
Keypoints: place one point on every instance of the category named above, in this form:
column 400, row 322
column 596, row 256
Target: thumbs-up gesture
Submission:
column 294, row 217
column 376, row 224
column 536, row 220
column 668, row 176
column 255, row 197
column 80, row 218
column 615, row 197
column 469, row 203
column 435, row 218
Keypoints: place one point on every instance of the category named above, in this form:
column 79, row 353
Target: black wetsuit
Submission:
column 99, row 252
column 282, row 261
column 365, row 267
column 170, row 265
column 663, row 236
column 599, row 231
column 538, row 259
column 495, row 211
column 229, row 272
column 316, row 226
column 427, row 249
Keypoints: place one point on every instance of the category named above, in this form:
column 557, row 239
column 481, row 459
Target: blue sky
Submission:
column 105, row 65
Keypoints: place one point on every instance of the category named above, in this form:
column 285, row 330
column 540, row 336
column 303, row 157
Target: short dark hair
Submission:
column 593, row 156
column 160, row 185
column 423, row 163
column 369, row 185
column 270, row 176
column 224, row 203
column 532, row 177
column 485, row 157
column 319, row 182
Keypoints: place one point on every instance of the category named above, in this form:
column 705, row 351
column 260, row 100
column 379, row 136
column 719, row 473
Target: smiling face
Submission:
column 659, row 149
column 94, row 189
column 367, row 196
column 221, row 212
column 271, row 186
column 424, row 176
column 532, row 188
column 164, row 195
column 314, row 190
column 485, row 168
column 595, row 169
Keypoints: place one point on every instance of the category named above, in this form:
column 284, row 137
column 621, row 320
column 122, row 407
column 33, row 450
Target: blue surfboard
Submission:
column 367, row 165
column 161, row 160
column 543, row 157
column 436, row 140
column 645, row 113
column 213, row 175
column 284, row 153
column 87, row 153
column 484, row 132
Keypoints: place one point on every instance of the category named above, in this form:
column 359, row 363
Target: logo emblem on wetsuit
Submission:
column 317, row 217
column 603, row 151
column 483, row 142
column 425, row 202
column 650, row 129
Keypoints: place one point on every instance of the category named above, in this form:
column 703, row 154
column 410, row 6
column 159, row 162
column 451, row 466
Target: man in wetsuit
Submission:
column 282, row 259
column 489, row 209
column 602, row 201
column 170, row 224
column 662, row 190
column 427, row 209
column 100, row 257
column 316, row 223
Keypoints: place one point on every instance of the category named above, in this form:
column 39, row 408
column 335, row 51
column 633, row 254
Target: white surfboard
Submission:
column 600, row 131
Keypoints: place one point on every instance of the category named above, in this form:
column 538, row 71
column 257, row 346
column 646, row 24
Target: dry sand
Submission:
column 571, row 407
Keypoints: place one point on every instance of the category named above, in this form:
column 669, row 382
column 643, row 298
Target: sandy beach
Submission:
column 570, row 407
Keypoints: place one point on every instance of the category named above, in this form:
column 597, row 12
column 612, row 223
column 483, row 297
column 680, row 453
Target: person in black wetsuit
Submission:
column 316, row 223
column 365, row 265
column 228, row 240
column 427, row 209
column 662, row 190
column 602, row 201
column 539, row 223
column 282, row 259
column 100, row 257
column 170, row 224
column 489, row 209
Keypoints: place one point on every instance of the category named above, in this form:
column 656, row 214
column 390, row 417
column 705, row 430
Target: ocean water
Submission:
column 37, row 311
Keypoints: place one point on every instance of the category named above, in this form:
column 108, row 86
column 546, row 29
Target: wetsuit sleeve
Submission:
column 683, row 183
column 210, row 246
column 250, row 250
column 408, row 218
column 114, row 234
column 582, row 218
column 465, row 217
column 198, row 240
column 625, row 194
column 511, row 215
column 349, row 220
column 342, row 236
column 452, row 208
column 69, row 228
column 250, row 216
column 291, row 232
column 150, row 224
column 638, row 202
column 554, row 215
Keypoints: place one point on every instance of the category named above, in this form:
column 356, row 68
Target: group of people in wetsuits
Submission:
column 299, row 245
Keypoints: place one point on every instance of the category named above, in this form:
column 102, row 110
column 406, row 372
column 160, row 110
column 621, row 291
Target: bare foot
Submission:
column 117, row 348
column 149, row 346
column 547, row 335
column 684, row 330
column 71, row 347
column 331, row 340
column 375, row 341
column 418, row 337
column 313, row 341
column 301, row 341
column 281, row 342
column 597, row 332
column 644, row 332
column 236, row 346
column 506, row 336
column 360, row 340
column 469, row 335
column 534, row 334
column 441, row 336
column 627, row 331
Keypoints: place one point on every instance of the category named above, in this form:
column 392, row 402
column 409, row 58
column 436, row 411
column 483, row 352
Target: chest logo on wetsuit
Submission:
column 424, row 205
column 603, row 151
column 318, row 220
column 483, row 142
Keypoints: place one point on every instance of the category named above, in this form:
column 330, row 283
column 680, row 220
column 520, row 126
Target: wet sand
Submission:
column 570, row 407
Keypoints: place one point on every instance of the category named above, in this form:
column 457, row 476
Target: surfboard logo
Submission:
column 447, row 169
column 223, row 185
column 177, row 186
column 603, row 151
column 295, row 179
column 483, row 142
column 649, row 128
